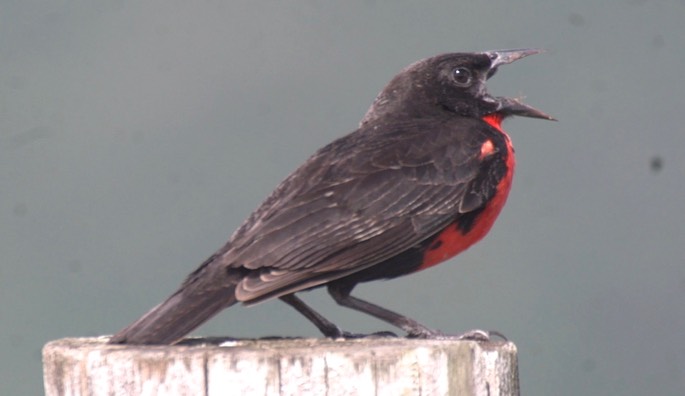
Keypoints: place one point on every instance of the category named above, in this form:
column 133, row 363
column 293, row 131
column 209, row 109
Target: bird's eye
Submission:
column 462, row 76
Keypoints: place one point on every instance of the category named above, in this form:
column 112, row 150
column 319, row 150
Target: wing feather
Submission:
column 353, row 205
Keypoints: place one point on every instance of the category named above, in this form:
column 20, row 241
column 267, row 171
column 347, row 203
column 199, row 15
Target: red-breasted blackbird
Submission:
column 422, row 178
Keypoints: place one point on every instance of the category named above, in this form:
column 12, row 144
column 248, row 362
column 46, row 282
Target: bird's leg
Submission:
column 414, row 329
column 325, row 326
column 328, row 328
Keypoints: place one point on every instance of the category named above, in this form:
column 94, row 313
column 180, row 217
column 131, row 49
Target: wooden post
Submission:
column 370, row 366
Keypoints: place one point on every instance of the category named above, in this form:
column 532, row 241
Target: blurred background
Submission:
column 136, row 136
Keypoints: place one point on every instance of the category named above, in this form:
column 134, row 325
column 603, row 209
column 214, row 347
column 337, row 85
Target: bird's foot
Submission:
column 337, row 333
column 471, row 335
column 377, row 334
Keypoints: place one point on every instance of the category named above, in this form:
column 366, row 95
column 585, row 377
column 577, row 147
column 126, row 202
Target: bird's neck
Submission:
column 494, row 120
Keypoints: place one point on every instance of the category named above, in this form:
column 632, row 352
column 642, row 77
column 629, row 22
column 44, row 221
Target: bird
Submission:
column 421, row 179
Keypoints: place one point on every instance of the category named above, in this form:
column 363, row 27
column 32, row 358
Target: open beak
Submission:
column 511, row 106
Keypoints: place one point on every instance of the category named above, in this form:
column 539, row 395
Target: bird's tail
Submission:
column 206, row 292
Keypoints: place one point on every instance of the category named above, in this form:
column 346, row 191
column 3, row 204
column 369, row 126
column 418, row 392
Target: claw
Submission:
column 482, row 335
column 472, row 335
column 427, row 334
column 476, row 335
column 382, row 334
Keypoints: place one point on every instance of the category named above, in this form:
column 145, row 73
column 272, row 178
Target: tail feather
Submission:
column 199, row 298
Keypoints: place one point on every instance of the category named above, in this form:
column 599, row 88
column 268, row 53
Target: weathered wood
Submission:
column 371, row 366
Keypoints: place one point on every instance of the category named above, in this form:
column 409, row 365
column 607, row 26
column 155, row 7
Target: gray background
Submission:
column 136, row 136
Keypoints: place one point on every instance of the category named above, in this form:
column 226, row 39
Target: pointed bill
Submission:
column 511, row 106
column 504, row 57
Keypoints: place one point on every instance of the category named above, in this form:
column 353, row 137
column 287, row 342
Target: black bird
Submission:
column 422, row 178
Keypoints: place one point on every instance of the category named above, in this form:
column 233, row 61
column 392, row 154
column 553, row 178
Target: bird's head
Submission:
column 454, row 82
